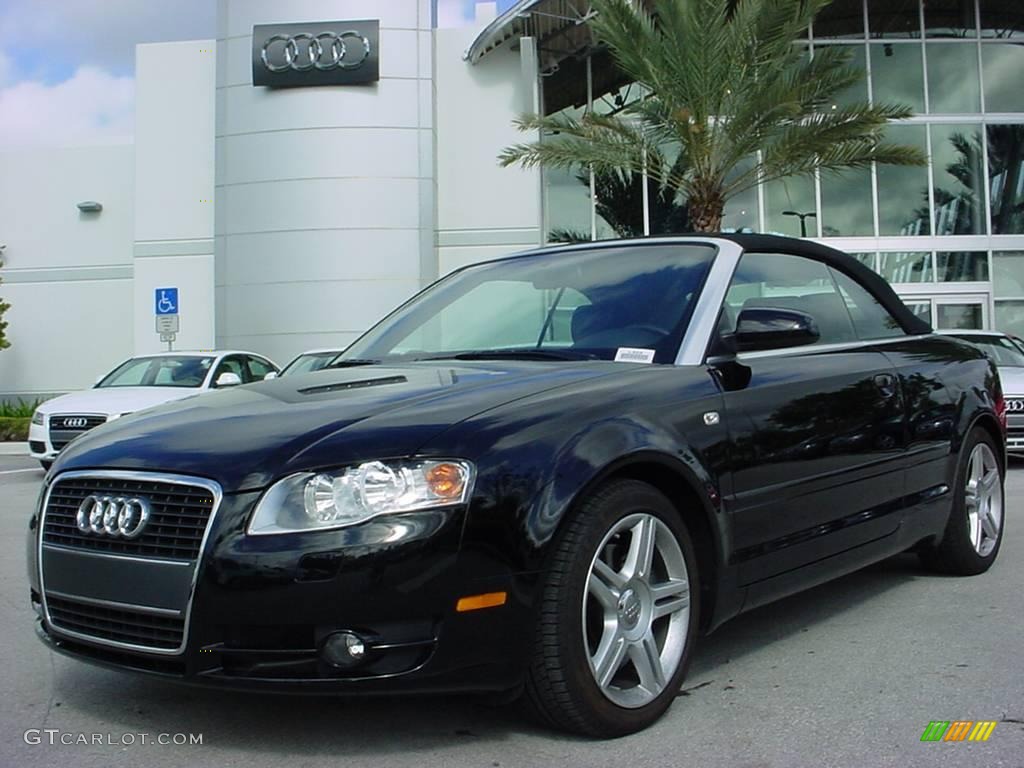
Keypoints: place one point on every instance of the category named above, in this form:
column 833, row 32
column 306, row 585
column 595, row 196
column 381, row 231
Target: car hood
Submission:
column 113, row 401
column 1012, row 379
column 246, row 437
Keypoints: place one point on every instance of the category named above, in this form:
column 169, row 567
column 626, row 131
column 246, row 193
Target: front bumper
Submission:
column 262, row 606
column 39, row 443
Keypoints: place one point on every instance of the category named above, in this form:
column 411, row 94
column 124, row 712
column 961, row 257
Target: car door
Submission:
column 814, row 430
column 257, row 368
column 230, row 364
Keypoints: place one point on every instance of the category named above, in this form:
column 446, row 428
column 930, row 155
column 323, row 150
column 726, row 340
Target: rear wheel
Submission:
column 974, row 532
column 618, row 615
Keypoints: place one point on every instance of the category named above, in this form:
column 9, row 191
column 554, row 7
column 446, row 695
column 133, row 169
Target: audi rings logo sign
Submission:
column 1015, row 406
column 315, row 53
column 118, row 516
column 75, row 423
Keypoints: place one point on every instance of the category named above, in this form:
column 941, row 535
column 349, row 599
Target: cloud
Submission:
column 91, row 107
column 455, row 13
column 49, row 40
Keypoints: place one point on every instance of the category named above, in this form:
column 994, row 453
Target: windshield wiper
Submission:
column 512, row 354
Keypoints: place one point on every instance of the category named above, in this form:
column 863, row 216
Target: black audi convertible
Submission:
column 543, row 477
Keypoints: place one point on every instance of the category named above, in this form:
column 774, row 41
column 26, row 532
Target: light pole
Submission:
column 803, row 219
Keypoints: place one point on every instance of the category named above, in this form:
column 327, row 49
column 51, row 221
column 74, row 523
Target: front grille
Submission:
column 116, row 624
column 65, row 427
column 175, row 529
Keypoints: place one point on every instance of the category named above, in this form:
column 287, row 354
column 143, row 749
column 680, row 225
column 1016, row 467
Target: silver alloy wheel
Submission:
column 636, row 610
column 983, row 499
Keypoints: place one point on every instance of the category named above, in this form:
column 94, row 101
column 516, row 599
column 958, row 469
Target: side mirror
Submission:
column 228, row 379
column 761, row 328
column 270, row 376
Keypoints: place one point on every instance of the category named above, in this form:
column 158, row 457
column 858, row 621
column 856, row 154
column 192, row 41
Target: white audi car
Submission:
column 1008, row 356
column 137, row 383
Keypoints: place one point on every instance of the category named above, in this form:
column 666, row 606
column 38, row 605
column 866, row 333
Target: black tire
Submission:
column 955, row 553
column 45, row 465
column 560, row 687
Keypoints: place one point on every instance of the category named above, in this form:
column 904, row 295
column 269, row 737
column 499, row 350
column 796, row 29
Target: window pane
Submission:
column 911, row 267
column 741, row 210
column 959, row 316
column 921, row 308
column 843, row 18
column 1010, row 317
column 949, row 18
column 1008, row 277
column 566, row 206
column 953, row 84
column 957, row 170
column 870, row 319
column 961, row 266
column 619, row 202
column 846, row 204
column 858, row 92
column 791, row 282
column 1006, row 178
column 1002, row 19
column 903, row 191
column 794, row 195
column 893, row 18
column 867, row 259
column 1003, row 64
column 897, row 74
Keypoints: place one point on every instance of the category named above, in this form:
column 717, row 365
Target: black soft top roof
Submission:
column 843, row 262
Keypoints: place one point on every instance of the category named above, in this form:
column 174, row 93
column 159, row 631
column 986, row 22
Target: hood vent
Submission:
column 354, row 385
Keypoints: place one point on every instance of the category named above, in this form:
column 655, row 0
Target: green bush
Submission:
column 22, row 410
column 14, row 428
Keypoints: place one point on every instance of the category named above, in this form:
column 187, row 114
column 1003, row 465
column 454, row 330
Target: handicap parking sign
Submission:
column 166, row 301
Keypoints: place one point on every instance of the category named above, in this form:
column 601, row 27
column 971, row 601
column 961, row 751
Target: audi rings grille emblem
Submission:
column 118, row 516
column 77, row 423
column 324, row 51
column 1015, row 406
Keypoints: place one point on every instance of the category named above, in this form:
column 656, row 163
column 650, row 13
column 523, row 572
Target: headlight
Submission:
column 317, row 501
column 38, row 418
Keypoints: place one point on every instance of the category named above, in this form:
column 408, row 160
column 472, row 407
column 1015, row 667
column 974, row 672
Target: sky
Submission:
column 67, row 66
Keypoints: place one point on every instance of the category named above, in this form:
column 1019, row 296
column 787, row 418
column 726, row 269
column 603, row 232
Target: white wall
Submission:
column 67, row 274
column 484, row 211
column 325, row 195
column 174, row 187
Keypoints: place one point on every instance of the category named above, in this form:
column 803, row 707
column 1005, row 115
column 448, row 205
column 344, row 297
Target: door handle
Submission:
column 886, row 384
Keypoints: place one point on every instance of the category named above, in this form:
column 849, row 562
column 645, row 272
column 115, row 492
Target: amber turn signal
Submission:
column 476, row 602
column 446, row 481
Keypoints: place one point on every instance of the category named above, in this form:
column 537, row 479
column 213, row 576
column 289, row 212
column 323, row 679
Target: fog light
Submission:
column 343, row 649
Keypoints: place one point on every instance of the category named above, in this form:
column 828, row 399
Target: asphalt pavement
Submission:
column 847, row 674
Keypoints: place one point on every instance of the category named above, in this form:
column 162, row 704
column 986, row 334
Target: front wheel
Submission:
column 974, row 532
column 45, row 465
column 618, row 614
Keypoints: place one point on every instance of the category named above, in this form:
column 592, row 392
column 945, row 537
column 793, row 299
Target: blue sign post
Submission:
column 166, row 308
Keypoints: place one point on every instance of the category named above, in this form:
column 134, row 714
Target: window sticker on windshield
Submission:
column 634, row 355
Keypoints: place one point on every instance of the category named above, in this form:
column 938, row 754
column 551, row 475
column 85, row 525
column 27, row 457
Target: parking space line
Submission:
column 16, row 471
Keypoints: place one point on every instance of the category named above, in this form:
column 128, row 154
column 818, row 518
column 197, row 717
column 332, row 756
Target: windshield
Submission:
column 1001, row 350
column 569, row 305
column 309, row 363
column 164, row 371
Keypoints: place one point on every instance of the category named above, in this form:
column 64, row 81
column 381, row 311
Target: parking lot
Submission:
column 849, row 673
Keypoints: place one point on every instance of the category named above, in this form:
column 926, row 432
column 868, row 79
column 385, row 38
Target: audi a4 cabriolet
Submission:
column 544, row 476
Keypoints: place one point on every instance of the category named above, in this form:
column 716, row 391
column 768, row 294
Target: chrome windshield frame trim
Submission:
column 152, row 477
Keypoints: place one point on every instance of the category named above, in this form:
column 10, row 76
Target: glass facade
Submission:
column 950, row 237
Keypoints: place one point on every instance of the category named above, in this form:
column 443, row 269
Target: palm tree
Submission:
column 730, row 93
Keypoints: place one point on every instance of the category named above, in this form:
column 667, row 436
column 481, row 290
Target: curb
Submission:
column 14, row 449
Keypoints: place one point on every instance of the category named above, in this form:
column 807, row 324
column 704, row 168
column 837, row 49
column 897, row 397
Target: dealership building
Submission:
column 292, row 203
